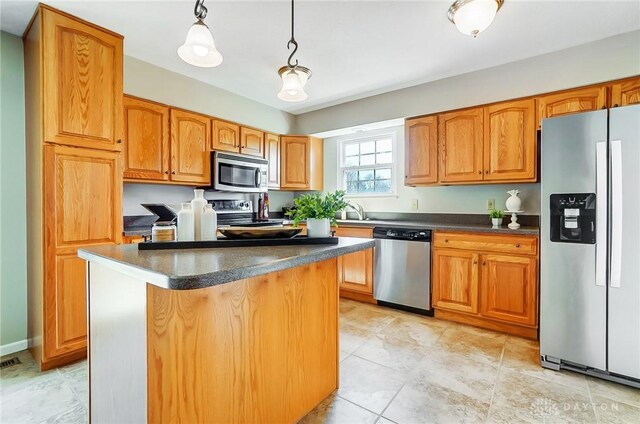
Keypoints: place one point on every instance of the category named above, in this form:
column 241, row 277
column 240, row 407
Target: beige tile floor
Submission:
column 395, row 367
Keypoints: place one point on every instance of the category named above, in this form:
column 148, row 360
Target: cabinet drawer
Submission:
column 354, row 232
column 523, row 245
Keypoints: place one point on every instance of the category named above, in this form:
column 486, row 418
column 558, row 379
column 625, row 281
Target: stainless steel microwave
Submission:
column 240, row 173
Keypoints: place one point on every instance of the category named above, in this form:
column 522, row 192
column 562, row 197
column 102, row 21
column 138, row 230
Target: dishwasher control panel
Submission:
column 412, row 234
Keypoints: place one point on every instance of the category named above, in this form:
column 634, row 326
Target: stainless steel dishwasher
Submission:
column 403, row 268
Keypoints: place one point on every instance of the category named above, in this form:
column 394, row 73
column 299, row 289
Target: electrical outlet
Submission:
column 414, row 204
column 491, row 204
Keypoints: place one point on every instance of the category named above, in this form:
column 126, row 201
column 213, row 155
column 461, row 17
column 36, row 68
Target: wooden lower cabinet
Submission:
column 355, row 270
column 482, row 286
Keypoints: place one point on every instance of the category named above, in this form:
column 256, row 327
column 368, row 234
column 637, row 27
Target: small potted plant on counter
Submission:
column 319, row 211
column 496, row 217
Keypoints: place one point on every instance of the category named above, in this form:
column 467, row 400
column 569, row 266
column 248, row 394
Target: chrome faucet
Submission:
column 357, row 207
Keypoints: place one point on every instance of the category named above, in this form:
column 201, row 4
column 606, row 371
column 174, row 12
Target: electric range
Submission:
column 239, row 213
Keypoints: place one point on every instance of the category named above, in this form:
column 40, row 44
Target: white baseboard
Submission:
column 13, row 347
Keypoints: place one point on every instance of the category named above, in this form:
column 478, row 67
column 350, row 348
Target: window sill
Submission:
column 370, row 195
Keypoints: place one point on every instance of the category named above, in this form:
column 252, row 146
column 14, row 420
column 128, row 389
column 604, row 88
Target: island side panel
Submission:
column 117, row 346
column 262, row 349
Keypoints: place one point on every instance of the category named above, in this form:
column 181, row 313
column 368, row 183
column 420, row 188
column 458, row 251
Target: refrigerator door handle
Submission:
column 616, row 212
column 601, row 213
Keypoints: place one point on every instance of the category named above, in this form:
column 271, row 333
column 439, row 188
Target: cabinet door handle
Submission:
column 484, row 263
column 615, row 105
column 486, row 172
column 166, row 172
column 479, row 172
column 119, row 141
column 517, row 244
column 446, row 240
column 173, row 172
column 475, row 262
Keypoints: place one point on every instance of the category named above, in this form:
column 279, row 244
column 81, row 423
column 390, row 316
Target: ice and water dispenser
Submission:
column 573, row 218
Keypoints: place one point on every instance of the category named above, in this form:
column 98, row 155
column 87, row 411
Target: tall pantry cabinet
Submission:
column 73, row 75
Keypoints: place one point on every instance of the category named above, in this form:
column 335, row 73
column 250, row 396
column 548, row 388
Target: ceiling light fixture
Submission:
column 471, row 17
column 198, row 48
column 294, row 77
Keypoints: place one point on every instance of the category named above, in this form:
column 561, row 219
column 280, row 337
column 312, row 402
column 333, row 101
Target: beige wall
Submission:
column 604, row 60
column 445, row 199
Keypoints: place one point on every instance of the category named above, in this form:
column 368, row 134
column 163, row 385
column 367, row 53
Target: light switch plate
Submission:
column 491, row 204
column 414, row 204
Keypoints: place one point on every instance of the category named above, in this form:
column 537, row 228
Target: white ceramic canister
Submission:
column 318, row 227
column 209, row 223
column 185, row 223
column 197, row 204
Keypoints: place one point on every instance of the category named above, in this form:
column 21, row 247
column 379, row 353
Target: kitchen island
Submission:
column 212, row 335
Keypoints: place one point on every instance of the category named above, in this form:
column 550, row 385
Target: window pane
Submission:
column 383, row 174
column 351, row 175
column 368, row 147
column 352, row 161
column 352, row 186
column 352, row 149
column 367, row 159
column 383, row 186
column 366, row 187
column 383, row 145
column 384, row 158
column 366, row 175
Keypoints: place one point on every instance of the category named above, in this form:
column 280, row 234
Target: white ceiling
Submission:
column 354, row 48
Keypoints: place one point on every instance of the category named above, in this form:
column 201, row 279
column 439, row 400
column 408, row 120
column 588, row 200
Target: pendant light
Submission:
column 294, row 77
column 471, row 17
column 198, row 48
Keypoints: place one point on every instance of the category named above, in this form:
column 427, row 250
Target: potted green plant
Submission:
column 496, row 217
column 319, row 211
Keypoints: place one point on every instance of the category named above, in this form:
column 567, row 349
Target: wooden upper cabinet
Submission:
column 251, row 142
column 510, row 141
column 509, row 289
column 226, row 136
column 301, row 163
column 455, row 280
column 272, row 154
column 460, row 137
column 146, row 140
column 83, row 197
column 572, row 101
column 625, row 93
column 421, row 151
column 82, row 83
column 190, row 147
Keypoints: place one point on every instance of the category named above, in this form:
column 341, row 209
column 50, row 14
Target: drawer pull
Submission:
column 517, row 244
column 446, row 240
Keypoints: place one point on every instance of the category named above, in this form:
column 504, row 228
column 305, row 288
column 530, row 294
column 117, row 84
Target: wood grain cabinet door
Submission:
column 295, row 169
column 146, row 140
column 355, row 270
column 190, row 141
column 460, row 141
column 421, row 151
column 573, row 101
column 83, row 201
column 82, row 91
column 455, row 280
column 625, row 93
column 226, row 136
column 509, row 288
column 272, row 154
column 251, row 142
column 510, row 141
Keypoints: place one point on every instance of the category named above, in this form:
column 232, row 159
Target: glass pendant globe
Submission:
column 475, row 16
column 198, row 48
column 293, row 86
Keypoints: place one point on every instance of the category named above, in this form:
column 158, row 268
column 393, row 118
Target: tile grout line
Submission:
column 495, row 386
column 359, row 406
column 593, row 405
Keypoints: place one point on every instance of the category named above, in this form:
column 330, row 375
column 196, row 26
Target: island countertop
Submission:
column 200, row 268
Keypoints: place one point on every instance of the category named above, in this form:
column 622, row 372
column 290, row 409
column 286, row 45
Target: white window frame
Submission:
column 364, row 137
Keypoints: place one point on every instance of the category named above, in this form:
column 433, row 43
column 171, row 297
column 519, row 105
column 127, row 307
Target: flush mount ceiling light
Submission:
column 198, row 48
column 294, row 77
column 471, row 17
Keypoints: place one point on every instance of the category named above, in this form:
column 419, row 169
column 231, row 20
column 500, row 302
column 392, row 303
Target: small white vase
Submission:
column 318, row 227
column 514, row 203
column 208, row 223
column 497, row 222
column 197, row 205
column 185, row 223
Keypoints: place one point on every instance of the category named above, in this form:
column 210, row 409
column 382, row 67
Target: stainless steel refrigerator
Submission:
column 590, row 244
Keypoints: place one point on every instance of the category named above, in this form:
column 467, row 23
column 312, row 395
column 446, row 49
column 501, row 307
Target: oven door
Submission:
column 233, row 173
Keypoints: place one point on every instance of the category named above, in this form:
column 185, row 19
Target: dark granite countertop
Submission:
column 448, row 226
column 200, row 268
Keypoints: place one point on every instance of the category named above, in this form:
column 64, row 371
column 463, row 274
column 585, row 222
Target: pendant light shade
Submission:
column 198, row 48
column 471, row 17
column 293, row 82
